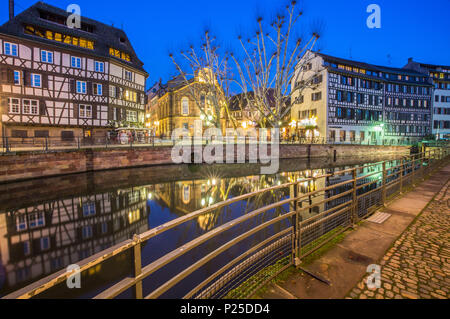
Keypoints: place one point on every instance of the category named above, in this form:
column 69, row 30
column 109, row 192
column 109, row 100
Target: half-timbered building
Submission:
column 66, row 82
column 440, row 76
column 356, row 102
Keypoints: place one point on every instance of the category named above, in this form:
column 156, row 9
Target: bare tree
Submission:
column 268, row 66
column 205, row 71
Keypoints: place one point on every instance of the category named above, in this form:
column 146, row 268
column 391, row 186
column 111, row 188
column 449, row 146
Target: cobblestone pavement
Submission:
column 418, row 264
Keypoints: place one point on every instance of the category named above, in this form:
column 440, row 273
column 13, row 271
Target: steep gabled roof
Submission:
column 104, row 36
column 371, row 67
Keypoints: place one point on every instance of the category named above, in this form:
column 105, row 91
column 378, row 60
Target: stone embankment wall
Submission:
column 28, row 165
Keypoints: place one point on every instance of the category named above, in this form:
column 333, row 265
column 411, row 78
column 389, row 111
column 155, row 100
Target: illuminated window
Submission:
column 85, row 111
column 30, row 107
column 134, row 216
column 56, row 36
column 185, row 106
column 13, row 105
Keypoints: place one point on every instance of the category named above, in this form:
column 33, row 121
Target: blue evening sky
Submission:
column 409, row 28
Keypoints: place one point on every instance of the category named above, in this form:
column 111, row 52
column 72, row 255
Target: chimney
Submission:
column 410, row 60
column 11, row 9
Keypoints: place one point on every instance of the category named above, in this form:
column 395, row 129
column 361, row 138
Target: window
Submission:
column 21, row 222
column 81, row 87
column 26, row 248
column 30, row 107
column 104, row 228
column 13, row 105
column 87, row 232
column 316, row 96
column 85, row 111
column 46, row 56
column 40, row 133
column 45, row 243
column 131, row 116
column 36, row 80
column 19, row 133
column 37, row 220
column 16, row 77
column 89, row 209
column 184, row 106
column 10, row 49
column 119, row 54
column 99, row 67
column 67, row 135
column 128, row 75
column 98, row 89
column 76, row 62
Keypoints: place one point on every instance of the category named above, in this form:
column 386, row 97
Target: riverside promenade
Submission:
column 412, row 246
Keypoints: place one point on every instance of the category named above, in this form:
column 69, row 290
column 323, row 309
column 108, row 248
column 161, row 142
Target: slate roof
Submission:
column 371, row 67
column 104, row 36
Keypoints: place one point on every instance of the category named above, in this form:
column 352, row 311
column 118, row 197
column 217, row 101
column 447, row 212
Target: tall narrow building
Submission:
column 440, row 75
column 355, row 102
column 64, row 82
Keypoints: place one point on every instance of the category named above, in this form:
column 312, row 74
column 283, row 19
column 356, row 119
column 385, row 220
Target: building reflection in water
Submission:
column 39, row 240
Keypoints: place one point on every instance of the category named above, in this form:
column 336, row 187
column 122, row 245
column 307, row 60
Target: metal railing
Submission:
column 247, row 250
column 24, row 144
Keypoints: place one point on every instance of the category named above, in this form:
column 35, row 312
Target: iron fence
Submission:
column 261, row 242
column 24, row 144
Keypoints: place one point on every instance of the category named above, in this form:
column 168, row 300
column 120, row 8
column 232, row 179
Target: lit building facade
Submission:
column 66, row 82
column 355, row 102
column 440, row 76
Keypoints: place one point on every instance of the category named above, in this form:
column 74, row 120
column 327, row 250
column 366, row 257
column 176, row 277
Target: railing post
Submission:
column 401, row 175
column 78, row 142
column 137, row 266
column 354, row 198
column 413, row 172
column 383, row 191
column 296, row 225
column 46, row 143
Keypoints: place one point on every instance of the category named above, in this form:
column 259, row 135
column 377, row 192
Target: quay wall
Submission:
column 29, row 165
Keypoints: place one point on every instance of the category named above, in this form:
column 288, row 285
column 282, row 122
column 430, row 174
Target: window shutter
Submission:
column 10, row 76
column 26, row 78
column 45, row 81
column 4, row 105
column 89, row 88
column 4, row 75
column 42, row 108
column 72, row 85
column 94, row 112
column 75, row 111
column 119, row 114
column 110, row 113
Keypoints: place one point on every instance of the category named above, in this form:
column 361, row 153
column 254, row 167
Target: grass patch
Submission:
column 248, row 286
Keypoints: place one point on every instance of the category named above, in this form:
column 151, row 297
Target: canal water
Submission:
column 49, row 224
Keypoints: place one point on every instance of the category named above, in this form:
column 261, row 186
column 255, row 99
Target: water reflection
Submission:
column 53, row 231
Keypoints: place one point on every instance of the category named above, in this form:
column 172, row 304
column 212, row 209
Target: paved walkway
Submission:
column 419, row 253
column 418, row 264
